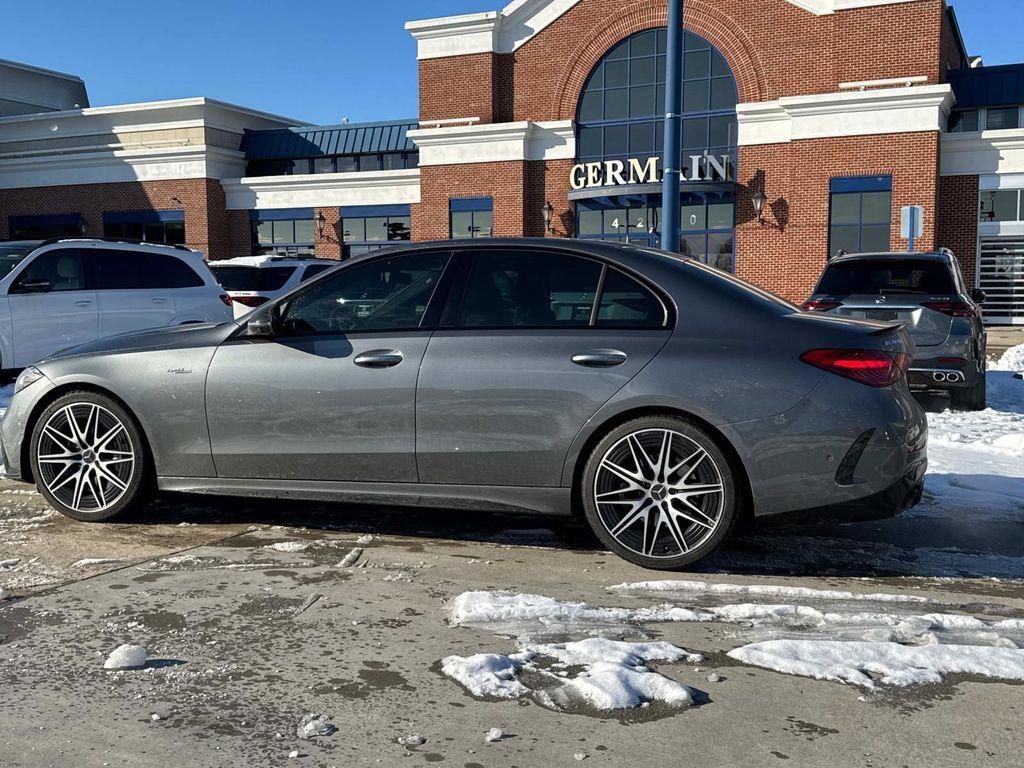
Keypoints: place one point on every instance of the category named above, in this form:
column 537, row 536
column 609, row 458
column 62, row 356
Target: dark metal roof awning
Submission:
column 320, row 141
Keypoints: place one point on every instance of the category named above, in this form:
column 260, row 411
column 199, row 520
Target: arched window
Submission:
column 622, row 108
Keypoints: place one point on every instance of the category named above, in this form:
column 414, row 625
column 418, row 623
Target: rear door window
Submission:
column 253, row 278
column 120, row 270
column 882, row 277
column 315, row 269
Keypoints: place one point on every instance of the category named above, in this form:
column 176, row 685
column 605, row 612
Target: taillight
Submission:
column 952, row 308
column 251, row 301
column 226, row 299
column 868, row 366
column 820, row 305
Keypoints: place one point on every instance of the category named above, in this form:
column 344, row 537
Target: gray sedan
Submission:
column 661, row 400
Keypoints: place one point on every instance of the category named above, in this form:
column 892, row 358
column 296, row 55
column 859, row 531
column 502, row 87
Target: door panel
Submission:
column 502, row 407
column 123, row 311
column 303, row 409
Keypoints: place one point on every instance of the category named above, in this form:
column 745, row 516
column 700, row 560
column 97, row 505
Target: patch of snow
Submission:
column 87, row 561
column 761, row 590
column 293, row 754
column 288, row 546
column 126, row 657
column 714, row 677
column 314, row 724
column 494, row 734
column 488, row 674
column 599, row 650
column 364, row 540
column 4, row 594
column 412, row 740
column 893, row 664
column 351, row 558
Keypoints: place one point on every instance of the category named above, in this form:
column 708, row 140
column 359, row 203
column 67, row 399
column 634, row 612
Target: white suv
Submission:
column 254, row 280
column 60, row 293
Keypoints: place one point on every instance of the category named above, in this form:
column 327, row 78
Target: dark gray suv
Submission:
column 927, row 294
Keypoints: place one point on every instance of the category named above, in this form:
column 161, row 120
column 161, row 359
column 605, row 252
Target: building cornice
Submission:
column 852, row 113
column 496, row 142
column 323, row 190
column 979, row 154
column 521, row 20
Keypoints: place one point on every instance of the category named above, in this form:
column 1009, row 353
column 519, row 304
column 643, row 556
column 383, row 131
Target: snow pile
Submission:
column 4, row 594
column 412, row 740
column 493, row 735
column 891, row 663
column 288, row 546
column 314, row 724
column 351, row 558
column 87, row 561
column 509, row 613
column 760, row 590
column 126, row 657
column 611, row 674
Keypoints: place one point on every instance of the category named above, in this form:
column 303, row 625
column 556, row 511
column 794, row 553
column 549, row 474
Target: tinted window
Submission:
column 62, row 268
column 520, row 289
column 383, row 295
column 624, row 302
column 252, row 278
column 875, row 277
column 115, row 270
column 10, row 257
column 314, row 270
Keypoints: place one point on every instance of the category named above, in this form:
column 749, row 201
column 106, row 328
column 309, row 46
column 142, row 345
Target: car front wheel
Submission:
column 659, row 492
column 88, row 457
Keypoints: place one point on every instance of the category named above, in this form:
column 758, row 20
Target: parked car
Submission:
column 926, row 292
column 660, row 398
column 61, row 293
column 252, row 281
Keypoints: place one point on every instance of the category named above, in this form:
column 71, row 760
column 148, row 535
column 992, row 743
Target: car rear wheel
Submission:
column 659, row 492
column 88, row 457
column 970, row 399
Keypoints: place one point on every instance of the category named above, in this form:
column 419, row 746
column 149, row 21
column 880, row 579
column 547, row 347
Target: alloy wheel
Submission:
column 86, row 458
column 659, row 493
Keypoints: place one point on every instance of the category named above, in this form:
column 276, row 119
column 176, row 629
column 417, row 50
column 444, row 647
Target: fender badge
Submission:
column 179, row 370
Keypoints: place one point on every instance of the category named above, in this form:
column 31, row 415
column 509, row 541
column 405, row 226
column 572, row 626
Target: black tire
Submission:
column 116, row 449
column 651, row 543
column 971, row 398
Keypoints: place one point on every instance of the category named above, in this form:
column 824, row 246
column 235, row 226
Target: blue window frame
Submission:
column 46, row 226
column 148, row 226
column 621, row 110
column 860, row 214
column 366, row 228
column 283, row 232
column 471, row 217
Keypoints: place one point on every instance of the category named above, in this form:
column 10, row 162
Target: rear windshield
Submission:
column 10, row 257
column 879, row 277
column 252, row 278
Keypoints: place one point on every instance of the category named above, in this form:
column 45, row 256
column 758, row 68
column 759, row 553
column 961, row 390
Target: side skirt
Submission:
column 484, row 498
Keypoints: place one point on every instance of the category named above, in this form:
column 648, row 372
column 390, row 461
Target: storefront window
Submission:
column 860, row 214
column 370, row 228
column 287, row 232
column 1000, row 205
column 471, row 217
column 46, row 227
column 147, row 226
column 387, row 161
column 1004, row 118
column 621, row 109
column 964, row 121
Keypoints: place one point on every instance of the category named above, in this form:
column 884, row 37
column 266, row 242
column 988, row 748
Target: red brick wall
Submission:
column 503, row 182
column 458, row 86
column 958, row 221
column 201, row 199
column 787, row 253
column 328, row 242
column 238, row 229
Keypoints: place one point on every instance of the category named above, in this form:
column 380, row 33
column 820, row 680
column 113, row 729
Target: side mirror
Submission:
column 34, row 285
column 263, row 324
column 979, row 296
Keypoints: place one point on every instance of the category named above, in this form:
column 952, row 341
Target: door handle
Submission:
column 379, row 358
column 83, row 303
column 600, row 358
column 160, row 300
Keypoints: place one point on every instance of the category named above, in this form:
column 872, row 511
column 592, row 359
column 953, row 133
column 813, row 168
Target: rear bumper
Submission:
column 927, row 375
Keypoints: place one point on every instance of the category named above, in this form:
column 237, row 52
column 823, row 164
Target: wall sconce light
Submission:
column 549, row 213
column 758, row 199
column 320, row 223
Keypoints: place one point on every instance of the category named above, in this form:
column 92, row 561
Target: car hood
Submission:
column 176, row 337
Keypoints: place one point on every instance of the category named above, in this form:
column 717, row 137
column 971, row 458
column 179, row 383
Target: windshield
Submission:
column 10, row 257
column 252, row 278
column 887, row 276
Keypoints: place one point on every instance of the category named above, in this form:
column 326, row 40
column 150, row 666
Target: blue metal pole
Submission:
column 913, row 228
column 671, row 160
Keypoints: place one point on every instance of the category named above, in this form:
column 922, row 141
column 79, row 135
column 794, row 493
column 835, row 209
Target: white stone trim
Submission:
column 520, row 21
column 888, row 82
column 496, row 142
column 131, row 165
column 856, row 113
column 989, row 152
column 323, row 190
column 1001, row 181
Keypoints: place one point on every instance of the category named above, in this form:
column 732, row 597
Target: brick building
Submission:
column 542, row 119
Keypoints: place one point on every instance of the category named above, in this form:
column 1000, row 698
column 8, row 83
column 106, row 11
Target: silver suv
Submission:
column 927, row 294
column 252, row 281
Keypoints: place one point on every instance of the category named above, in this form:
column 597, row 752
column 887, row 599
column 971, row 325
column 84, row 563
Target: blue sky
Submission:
column 318, row 61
